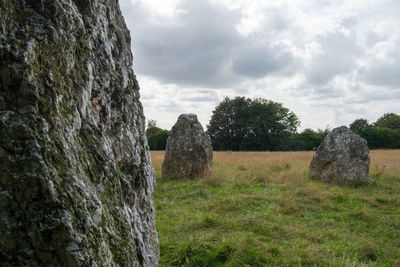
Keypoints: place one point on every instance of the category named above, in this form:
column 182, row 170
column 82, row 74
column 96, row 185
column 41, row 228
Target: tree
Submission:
column 364, row 129
column 151, row 123
column 308, row 139
column 312, row 139
column 381, row 137
column 250, row 124
column 270, row 123
column 156, row 137
column 360, row 126
column 229, row 123
column 389, row 120
column 152, row 127
column 158, row 140
column 381, row 134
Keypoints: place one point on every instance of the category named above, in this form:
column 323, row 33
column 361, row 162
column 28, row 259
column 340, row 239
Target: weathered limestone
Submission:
column 76, row 181
column 189, row 150
column 342, row 157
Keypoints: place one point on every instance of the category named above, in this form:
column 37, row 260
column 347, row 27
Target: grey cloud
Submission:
column 146, row 97
column 192, row 52
column 383, row 72
column 383, row 65
column 256, row 60
column 200, row 99
column 349, row 22
column 189, row 95
column 372, row 38
column 357, row 100
column 339, row 57
column 326, row 92
column 203, row 47
column 317, row 92
column 378, row 95
column 170, row 106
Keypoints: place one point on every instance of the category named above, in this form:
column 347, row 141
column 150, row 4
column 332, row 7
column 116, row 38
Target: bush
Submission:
column 158, row 140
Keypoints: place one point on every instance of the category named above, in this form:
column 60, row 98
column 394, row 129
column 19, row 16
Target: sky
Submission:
column 330, row 62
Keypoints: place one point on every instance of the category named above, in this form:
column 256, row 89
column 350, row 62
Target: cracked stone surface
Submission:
column 342, row 157
column 189, row 150
column 76, row 180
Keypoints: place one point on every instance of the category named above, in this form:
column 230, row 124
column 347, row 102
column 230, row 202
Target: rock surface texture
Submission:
column 76, row 180
column 342, row 157
column 189, row 150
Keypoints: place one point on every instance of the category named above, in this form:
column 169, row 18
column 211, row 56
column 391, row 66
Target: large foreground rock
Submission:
column 342, row 157
column 75, row 176
column 189, row 150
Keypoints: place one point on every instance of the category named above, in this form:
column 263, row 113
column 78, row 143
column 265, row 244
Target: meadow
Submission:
column 261, row 209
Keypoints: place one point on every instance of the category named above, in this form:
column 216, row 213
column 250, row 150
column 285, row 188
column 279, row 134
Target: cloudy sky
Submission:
column 328, row 61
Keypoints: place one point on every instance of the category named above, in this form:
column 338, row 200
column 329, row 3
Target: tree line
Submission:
column 384, row 133
column 245, row 124
column 156, row 137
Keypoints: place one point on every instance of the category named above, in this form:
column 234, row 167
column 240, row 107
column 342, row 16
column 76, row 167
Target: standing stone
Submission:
column 76, row 181
column 342, row 157
column 189, row 150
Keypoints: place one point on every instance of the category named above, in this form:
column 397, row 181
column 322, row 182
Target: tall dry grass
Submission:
column 258, row 164
column 385, row 161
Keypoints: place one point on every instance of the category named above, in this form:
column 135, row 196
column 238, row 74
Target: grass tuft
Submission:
column 368, row 253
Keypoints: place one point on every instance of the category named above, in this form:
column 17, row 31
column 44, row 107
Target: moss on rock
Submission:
column 76, row 181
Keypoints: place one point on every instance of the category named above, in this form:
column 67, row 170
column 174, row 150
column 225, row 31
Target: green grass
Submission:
column 276, row 218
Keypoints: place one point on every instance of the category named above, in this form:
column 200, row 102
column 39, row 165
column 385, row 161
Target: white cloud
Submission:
column 328, row 61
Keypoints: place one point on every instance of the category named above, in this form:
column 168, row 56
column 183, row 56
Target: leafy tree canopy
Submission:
column 378, row 135
column 152, row 127
column 250, row 124
column 359, row 126
column 156, row 137
column 308, row 139
column 389, row 120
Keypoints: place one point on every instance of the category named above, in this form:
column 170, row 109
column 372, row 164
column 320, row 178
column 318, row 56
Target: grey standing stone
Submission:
column 189, row 150
column 342, row 157
column 76, row 180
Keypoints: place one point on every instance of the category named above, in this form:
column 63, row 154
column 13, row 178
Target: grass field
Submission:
column 261, row 209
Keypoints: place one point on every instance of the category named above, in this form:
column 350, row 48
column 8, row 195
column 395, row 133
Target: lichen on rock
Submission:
column 342, row 157
column 188, row 153
column 76, row 180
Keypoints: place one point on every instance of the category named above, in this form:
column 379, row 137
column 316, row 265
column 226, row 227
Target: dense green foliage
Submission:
column 258, row 124
column 306, row 140
column 156, row 137
column 389, row 120
column 251, row 124
column 381, row 134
